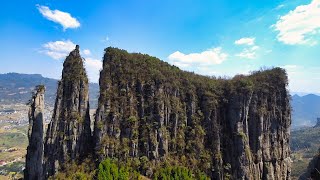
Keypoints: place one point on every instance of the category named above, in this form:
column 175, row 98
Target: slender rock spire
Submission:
column 69, row 134
column 33, row 170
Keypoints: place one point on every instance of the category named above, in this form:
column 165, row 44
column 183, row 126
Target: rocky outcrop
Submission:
column 152, row 114
column 229, row 129
column 33, row 169
column 68, row 137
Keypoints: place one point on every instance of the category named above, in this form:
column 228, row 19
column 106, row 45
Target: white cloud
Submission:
column 181, row 64
column 299, row 25
column 87, row 52
column 208, row 57
column 245, row 41
column 62, row 18
column 58, row 49
column 93, row 67
column 55, row 55
column 61, row 46
column 93, row 63
column 249, row 53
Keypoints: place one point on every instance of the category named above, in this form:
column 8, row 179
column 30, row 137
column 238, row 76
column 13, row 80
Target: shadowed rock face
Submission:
column 68, row 136
column 33, row 169
column 236, row 128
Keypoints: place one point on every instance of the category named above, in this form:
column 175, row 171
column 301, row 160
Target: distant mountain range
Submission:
column 306, row 109
column 16, row 88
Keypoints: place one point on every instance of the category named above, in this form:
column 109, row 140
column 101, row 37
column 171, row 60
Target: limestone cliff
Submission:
column 33, row 168
column 229, row 129
column 68, row 137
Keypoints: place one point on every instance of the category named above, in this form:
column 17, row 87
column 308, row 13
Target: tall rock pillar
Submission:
column 33, row 170
column 68, row 136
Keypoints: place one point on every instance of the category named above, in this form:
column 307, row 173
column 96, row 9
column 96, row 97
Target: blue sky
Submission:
column 220, row 38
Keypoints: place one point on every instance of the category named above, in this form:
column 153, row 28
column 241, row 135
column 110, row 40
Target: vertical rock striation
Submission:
column 236, row 129
column 33, row 168
column 155, row 114
column 68, row 137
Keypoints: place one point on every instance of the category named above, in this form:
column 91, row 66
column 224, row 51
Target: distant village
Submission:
column 15, row 115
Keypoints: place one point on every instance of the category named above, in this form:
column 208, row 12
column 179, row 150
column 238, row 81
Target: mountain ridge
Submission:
column 17, row 87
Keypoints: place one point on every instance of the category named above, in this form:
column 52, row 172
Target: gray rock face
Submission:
column 259, row 124
column 233, row 129
column 33, row 169
column 68, row 137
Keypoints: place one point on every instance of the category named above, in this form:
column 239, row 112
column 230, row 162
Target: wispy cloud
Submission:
column 87, row 52
column 208, row 57
column 300, row 25
column 250, row 49
column 60, row 17
column 249, row 53
column 280, row 6
column 245, row 41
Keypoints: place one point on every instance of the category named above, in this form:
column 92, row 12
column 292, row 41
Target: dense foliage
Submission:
column 73, row 69
column 72, row 171
column 113, row 169
column 110, row 170
column 178, row 173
